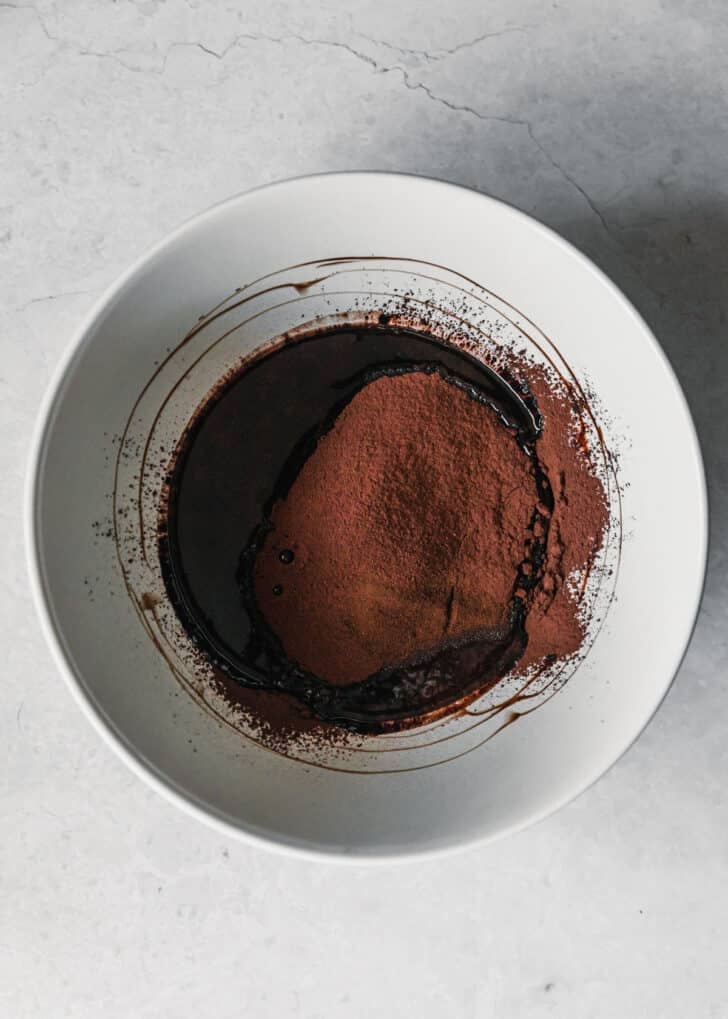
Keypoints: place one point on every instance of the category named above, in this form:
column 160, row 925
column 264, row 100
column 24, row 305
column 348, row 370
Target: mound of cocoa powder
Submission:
column 407, row 525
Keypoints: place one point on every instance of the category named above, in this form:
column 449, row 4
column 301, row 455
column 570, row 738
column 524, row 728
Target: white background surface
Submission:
column 117, row 121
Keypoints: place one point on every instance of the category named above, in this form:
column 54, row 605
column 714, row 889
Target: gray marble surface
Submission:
column 118, row 120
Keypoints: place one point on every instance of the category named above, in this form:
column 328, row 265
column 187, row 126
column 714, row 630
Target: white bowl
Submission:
column 386, row 235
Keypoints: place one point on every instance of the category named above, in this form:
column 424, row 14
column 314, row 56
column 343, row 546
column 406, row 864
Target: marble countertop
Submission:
column 119, row 120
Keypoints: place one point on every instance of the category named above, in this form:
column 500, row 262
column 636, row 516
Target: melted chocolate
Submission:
column 244, row 451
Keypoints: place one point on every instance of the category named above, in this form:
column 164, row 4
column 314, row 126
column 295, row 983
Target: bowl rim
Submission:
column 106, row 728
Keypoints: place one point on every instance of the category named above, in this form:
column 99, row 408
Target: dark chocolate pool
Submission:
column 242, row 455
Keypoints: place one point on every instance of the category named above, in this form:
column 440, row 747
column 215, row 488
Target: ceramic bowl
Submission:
column 228, row 282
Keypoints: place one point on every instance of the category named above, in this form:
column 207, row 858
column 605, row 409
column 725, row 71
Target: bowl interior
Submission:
column 354, row 242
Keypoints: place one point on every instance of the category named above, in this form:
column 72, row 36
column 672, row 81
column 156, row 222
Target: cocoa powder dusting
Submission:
column 578, row 523
column 407, row 526
column 409, row 522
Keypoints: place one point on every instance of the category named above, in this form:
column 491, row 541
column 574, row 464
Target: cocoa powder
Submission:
column 408, row 524
column 578, row 522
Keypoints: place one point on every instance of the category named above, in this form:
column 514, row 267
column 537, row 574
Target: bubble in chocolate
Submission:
column 277, row 589
column 286, row 556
